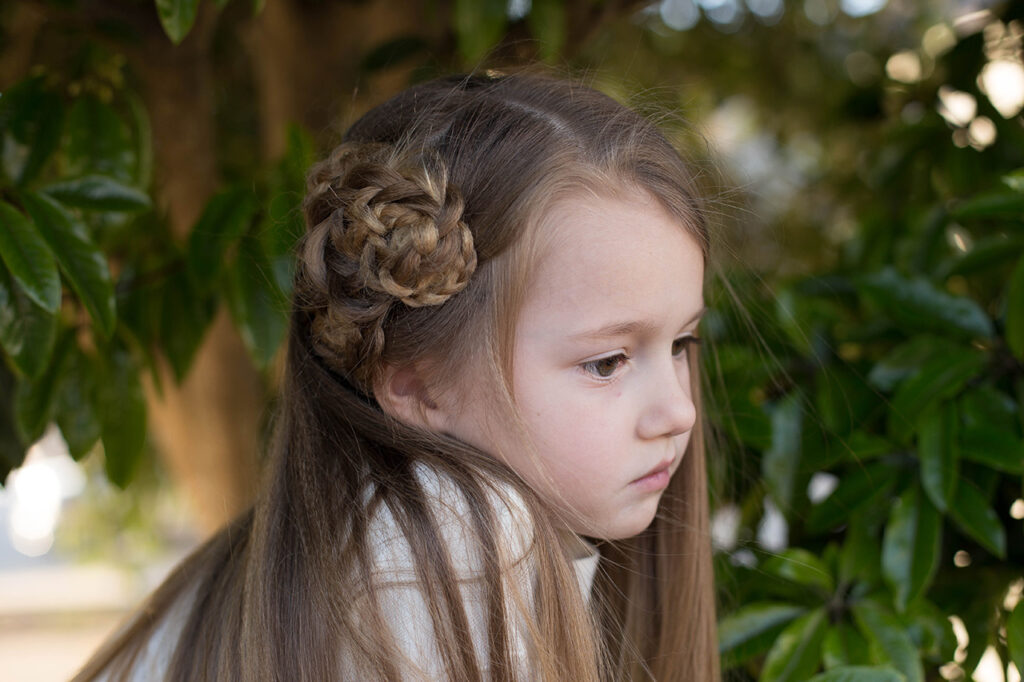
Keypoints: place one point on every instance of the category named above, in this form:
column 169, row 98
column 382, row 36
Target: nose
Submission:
column 668, row 409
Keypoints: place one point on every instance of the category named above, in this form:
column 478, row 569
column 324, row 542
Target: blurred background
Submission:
column 864, row 167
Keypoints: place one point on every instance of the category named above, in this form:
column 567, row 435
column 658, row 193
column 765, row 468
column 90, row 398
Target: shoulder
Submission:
column 453, row 515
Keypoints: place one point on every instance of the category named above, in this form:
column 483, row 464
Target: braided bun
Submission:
column 382, row 230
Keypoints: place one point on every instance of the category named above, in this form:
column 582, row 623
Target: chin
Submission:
column 625, row 528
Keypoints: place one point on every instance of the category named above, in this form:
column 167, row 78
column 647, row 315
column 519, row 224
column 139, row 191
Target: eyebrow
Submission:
column 629, row 327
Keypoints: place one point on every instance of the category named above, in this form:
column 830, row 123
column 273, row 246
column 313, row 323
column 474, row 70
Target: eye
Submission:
column 604, row 368
column 680, row 345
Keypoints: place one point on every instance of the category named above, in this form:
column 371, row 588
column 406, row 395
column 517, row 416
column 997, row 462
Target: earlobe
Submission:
column 403, row 394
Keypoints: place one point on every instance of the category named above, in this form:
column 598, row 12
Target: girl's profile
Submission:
column 488, row 459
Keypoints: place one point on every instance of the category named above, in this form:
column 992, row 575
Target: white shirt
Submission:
column 402, row 602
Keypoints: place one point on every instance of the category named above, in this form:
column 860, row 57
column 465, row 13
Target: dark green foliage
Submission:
column 890, row 357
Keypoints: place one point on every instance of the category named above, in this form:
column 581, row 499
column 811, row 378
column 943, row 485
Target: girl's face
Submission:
column 600, row 372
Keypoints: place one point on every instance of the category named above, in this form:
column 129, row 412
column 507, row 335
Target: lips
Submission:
column 663, row 466
column 655, row 480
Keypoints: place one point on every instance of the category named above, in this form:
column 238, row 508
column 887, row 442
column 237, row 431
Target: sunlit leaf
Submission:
column 1015, row 181
column 28, row 258
column 910, row 550
column 918, row 305
column 81, row 261
column 98, row 193
column 752, row 621
column 800, row 566
column 177, row 17
column 797, row 651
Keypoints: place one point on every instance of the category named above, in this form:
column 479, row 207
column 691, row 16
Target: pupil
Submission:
column 606, row 366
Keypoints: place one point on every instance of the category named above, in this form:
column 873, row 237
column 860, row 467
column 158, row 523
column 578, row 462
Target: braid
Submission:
column 382, row 231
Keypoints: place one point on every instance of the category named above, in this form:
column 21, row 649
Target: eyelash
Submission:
column 679, row 346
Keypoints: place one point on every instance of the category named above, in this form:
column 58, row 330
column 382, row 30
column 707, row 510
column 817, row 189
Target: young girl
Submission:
column 488, row 463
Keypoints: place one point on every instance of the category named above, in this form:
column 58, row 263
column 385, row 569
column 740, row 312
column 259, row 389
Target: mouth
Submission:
column 655, row 479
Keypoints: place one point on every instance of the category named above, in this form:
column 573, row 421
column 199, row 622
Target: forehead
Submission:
column 607, row 256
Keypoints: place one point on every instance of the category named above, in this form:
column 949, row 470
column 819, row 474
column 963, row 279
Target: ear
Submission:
column 402, row 393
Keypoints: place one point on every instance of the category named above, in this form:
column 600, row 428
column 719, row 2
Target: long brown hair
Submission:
column 420, row 227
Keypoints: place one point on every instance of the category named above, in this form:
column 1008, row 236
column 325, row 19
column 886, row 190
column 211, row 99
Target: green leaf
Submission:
column 801, row 567
column 35, row 399
column 779, row 464
column 844, row 646
column 122, row 415
column 185, row 315
column 797, row 651
column 985, row 405
column 996, row 448
column 939, row 453
column 479, row 25
column 986, row 254
column 99, row 142
column 98, row 193
column 27, row 332
column 1015, row 181
column 860, row 558
column 1015, row 311
column 259, row 308
column 32, row 117
column 906, row 359
column 547, row 24
column 972, row 513
column 994, row 205
column 82, row 262
column 860, row 486
column 752, row 621
column 1015, row 635
column 76, row 413
column 12, row 448
column 910, row 549
column 225, row 218
column 889, row 639
column 860, row 674
column 916, row 304
column 939, row 379
column 28, row 258
column 177, row 17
